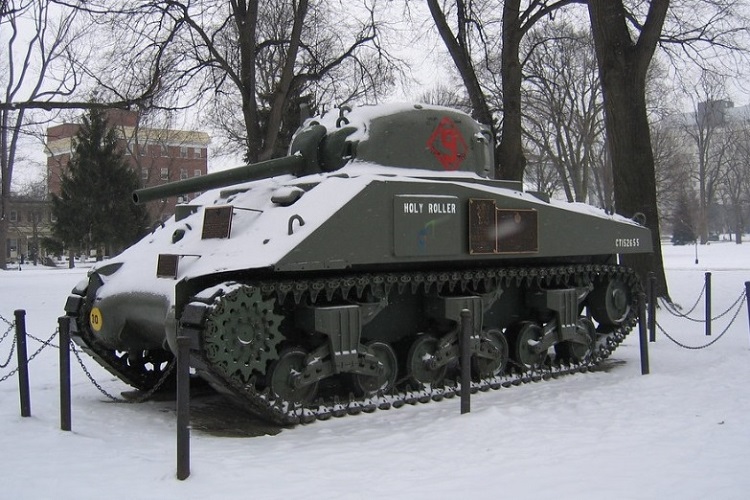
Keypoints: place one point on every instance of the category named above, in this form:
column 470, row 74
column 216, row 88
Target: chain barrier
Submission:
column 671, row 308
column 48, row 343
column 44, row 343
column 10, row 324
column 4, row 364
column 737, row 303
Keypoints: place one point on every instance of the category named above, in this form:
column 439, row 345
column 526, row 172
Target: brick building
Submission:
column 157, row 155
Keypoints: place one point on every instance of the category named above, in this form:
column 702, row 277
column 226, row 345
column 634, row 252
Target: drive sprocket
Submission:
column 242, row 332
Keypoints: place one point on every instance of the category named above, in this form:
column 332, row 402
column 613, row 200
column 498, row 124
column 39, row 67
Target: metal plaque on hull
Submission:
column 495, row 230
column 217, row 222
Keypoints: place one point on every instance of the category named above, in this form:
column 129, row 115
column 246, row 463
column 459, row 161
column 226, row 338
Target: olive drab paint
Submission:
column 348, row 263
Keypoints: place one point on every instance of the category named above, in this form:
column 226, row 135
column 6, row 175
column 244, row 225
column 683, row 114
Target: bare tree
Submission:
column 445, row 96
column 563, row 104
column 542, row 176
column 671, row 165
column 563, row 108
column 250, row 64
column 626, row 35
column 623, row 63
column 705, row 132
column 735, row 182
column 461, row 45
column 34, row 71
column 516, row 24
column 472, row 47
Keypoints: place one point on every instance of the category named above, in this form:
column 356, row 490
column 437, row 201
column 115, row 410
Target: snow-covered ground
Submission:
column 681, row 432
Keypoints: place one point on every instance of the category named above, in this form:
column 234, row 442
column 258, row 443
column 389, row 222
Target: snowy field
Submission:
column 682, row 432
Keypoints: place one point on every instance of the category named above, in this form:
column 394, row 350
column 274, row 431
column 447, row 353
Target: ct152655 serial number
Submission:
column 627, row 242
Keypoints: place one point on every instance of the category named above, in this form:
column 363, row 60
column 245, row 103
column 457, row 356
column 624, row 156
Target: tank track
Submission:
column 263, row 405
column 150, row 368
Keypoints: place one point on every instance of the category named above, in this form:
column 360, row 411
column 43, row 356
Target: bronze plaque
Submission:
column 166, row 266
column 482, row 234
column 217, row 222
column 517, row 231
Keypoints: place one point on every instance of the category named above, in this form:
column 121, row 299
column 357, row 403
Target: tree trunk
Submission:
column 285, row 82
column 245, row 17
column 511, row 161
column 6, row 172
column 739, row 223
column 3, row 240
column 622, row 72
column 633, row 171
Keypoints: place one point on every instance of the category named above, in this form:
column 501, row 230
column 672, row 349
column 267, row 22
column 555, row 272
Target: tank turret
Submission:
column 415, row 137
column 333, row 280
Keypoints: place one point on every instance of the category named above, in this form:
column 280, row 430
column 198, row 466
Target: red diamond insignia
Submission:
column 448, row 145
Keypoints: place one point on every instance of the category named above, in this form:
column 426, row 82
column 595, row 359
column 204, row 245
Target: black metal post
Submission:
column 183, row 407
column 63, row 324
column 652, row 306
column 747, row 298
column 23, row 363
column 708, row 304
column 642, row 331
column 696, row 251
column 466, row 328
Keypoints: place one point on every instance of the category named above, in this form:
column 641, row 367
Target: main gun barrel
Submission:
column 293, row 165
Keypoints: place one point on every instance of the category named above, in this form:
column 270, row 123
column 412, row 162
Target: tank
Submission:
column 332, row 281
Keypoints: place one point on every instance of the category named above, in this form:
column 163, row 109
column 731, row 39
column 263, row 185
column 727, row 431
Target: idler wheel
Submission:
column 574, row 352
column 525, row 335
column 493, row 354
column 610, row 304
column 386, row 379
column 144, row 369
column 419, row 362
column 283, row 375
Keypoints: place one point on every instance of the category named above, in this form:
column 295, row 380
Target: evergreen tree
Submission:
column 94, row 208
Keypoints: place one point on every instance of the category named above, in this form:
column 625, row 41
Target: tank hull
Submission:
column 300, row 291
column 376, row 223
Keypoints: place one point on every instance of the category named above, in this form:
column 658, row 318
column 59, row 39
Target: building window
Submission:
column 183, row 152
column 197, row 152
column 13, row 216
column 165, row 173
column 183, row 173
column 144, row 174
column 164, row 150
column 197, row 172
column 143, row 149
